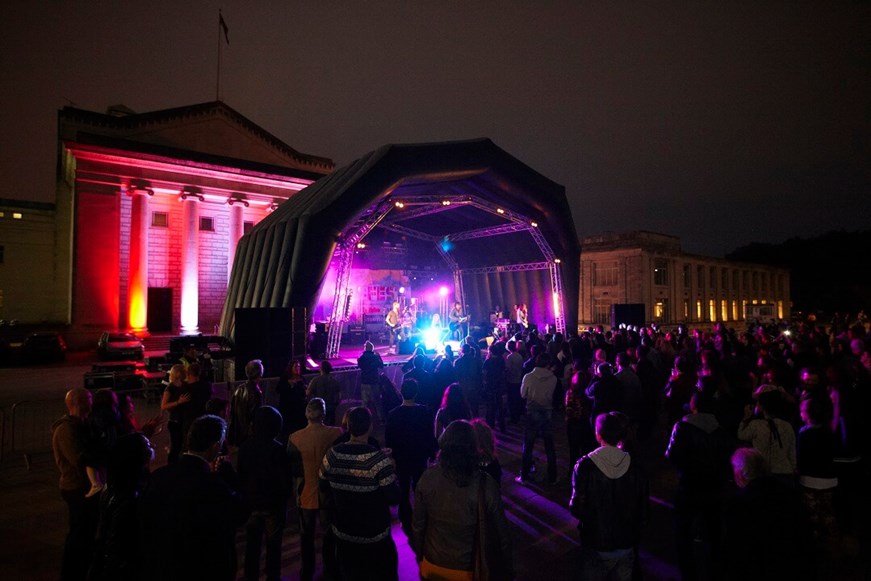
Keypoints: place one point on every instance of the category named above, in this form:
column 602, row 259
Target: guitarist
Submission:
column 392, row 321
column 459, row 323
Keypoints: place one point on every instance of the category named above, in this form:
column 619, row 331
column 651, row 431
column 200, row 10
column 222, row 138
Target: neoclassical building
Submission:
column 149, row 208
column 649, row 269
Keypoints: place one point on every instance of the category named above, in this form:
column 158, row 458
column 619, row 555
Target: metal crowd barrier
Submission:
column 31, row 421
column 31, row 426
column 2, row 433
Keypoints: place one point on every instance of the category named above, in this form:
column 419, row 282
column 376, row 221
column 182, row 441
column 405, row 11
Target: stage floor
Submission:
column 349, row 352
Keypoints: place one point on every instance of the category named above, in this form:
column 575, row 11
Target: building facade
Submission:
column 649, row 269
column 149, row 208
column 29, row 291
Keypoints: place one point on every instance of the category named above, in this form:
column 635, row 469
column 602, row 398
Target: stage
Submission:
column 349, row 352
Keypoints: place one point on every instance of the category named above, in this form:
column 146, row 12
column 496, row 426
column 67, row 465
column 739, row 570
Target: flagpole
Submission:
column 218, row 82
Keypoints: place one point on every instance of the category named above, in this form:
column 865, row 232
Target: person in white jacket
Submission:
column 537, row 388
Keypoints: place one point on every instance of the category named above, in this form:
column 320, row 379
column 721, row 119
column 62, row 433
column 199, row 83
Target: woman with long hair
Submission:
column 487, row 460
column 291, row 389
column 771, row 435
column 454, row 407
column 175, row 397
column 446, row 510
column 117, row 553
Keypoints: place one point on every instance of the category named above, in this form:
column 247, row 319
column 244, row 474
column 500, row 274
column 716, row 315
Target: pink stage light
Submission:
column 443, row 291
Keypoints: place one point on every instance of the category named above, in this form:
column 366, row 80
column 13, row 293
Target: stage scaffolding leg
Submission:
column 556, row 286
column 340, row 300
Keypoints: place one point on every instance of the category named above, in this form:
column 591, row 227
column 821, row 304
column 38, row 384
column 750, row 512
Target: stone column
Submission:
column 237, row 228
column 137, row 279
column 190, row 254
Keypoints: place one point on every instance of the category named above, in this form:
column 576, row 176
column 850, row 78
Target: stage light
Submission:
column 361, row 245
column 500, row 211
column 399, row 205
column 556, row 309
column 432, row 338
column 443, row 291
column 534, row 224
column 556, row 260
column 402, row 290
column 446, row 202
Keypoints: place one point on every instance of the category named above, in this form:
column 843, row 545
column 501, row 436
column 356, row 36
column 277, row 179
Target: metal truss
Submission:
column 426, row 209
column 559, row 309
column 487, row 232
column 507, row 268
column 426, row 205
column 345, row 253
column 448, row 258
column 411, row 232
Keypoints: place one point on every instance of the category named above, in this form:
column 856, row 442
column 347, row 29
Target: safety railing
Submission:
column 31, row 422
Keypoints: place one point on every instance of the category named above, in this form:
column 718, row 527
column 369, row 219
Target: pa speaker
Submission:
column 266, row 334
column 627, row 314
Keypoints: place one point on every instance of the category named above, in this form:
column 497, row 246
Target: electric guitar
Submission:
column 454, row 325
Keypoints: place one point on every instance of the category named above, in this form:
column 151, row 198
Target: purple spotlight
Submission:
column 402, row 290
column 443, row 291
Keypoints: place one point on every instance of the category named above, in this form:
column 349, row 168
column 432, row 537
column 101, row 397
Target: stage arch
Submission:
column 467, row 212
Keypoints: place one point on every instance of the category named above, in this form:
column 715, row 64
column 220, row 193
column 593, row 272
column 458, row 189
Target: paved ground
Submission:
column 33, row 519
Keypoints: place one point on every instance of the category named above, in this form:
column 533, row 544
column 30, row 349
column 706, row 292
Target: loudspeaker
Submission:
column 318, row 345
column 627, row 314
column 267, row 334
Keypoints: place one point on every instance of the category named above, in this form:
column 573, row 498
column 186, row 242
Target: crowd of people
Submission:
column 765, row 429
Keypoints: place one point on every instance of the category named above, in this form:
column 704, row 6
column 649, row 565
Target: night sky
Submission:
column 721, row 122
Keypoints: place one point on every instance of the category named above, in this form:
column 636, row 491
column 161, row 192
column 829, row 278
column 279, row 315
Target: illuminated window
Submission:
column 601, row 311
column 16, row 215
column 712, row 310
column 744, row 309
column 779, row 309
column 2, row 214
column 660, row 272
column 247, row 227
column 735, row 316
column 698, row 310
column 724, row 310
column 686, row 310
column 659, row 310
column 160, row 219
column 605, row 274
column 207, row 223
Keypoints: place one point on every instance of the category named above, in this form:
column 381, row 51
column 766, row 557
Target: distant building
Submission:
column 28, row 246
column 649, row 269
column 149, row 208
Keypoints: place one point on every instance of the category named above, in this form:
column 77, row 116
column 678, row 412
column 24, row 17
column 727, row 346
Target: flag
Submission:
column 223, row 26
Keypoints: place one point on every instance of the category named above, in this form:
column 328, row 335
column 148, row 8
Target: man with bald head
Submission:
column 69, row 441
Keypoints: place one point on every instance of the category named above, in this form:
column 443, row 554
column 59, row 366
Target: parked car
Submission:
column 43, row 347
column 120, row 346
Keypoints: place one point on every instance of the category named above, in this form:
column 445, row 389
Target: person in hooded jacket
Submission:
column 610, row 501
column 700, row 449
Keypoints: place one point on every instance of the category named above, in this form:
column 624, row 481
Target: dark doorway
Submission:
column 159, row 310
